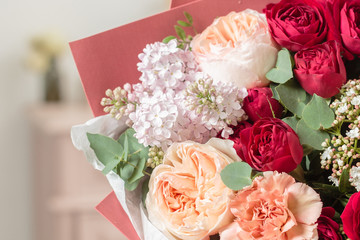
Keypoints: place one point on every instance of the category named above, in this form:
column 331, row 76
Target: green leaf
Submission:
column 298, row 174
column 307, row 149
column 106, row 149
column 138, row 172
column 126, row 147
column 136, row 156
column 344, row 184
column 127, row 170
column 168, row 39
column 236, row 175
column 307, row 163
column 317, row 113
column 188, row 17
column 184, row 24
column 274, row 92
column 291, row 121
column 134, row 147
column 309, row 136
column 132, row 186
column 127, row 155
column 283, row 70
column 292, row 96
column 144, row 190
column 110, row 166
column 180, row 32
column 327, row 190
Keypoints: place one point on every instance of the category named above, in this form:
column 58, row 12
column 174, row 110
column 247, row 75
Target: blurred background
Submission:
column 48, row 190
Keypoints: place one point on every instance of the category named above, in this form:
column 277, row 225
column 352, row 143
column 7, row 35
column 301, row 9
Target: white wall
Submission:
column 19, row 21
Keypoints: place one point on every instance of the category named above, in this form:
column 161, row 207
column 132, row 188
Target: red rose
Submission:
column 351, row 217
column 350, row 24
column 327, row 228
column 235, row 137
column 320, row 69
column 257, row 104
column 269, row 145
column 296, row 24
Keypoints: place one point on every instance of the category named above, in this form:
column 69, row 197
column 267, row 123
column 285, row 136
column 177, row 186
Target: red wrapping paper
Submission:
column 108, row 60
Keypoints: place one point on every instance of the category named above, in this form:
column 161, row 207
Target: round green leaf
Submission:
column 283, row 70
column 236, row 175
column 310, row 136
column 317, row 113
column 292, row 96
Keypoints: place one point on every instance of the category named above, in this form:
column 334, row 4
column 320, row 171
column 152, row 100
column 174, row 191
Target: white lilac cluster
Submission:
column 119, row 102
column 218, row 104
column 341, row 152
column 355, row 177
column 162, row 119
column 175, row 102
column 165, row 66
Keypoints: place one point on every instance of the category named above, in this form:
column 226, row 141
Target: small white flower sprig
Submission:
column 342, row 152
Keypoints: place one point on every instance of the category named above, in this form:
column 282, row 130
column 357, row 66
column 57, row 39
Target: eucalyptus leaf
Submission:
column 110, row 166
column 283, row 69
column 106, row 149
column 144, row 190
column 310, row 136
column 274, row 92
column 291, row 121
column 168, row 39
column 317, row 113
column 128, row 169
column 132, row 186
column 292, row 96
column 236, row 175
column 138, row 172
column 134, row 147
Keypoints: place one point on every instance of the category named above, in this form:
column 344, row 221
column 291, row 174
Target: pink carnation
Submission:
column 274, row 207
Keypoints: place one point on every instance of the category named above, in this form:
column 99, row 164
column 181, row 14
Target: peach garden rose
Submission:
column 237, row 48
column 274, row 207
column 187, row 199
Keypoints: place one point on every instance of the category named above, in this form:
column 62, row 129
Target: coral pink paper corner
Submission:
column 109, row 59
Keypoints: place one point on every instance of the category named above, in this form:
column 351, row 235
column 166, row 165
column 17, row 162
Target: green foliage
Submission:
column 106, row 149
column 274, row 92
column 283, row 69
column 309, row 115
column 144, row 190
column 317, row 113
column 344, row 184
column 127, row 157
column 168, row 39
column 183, row 39
column 292, row 96
column 291, row 121
column 310, row 136
column 236, row 175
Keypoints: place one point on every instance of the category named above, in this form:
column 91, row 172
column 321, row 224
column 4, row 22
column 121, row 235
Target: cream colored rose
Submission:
column 237, row 48
column 187, row 198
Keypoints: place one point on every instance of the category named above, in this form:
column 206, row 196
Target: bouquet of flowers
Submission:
column 247, row 129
